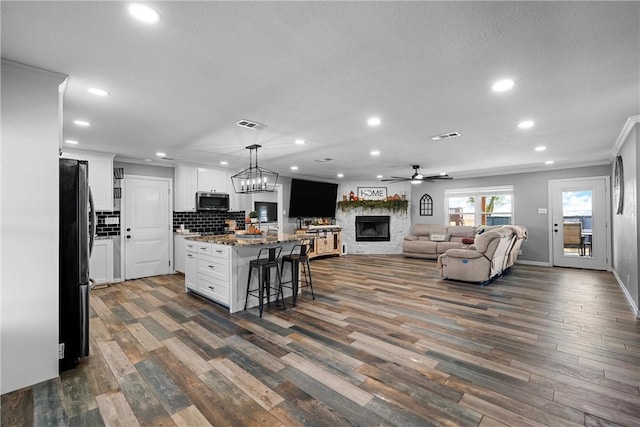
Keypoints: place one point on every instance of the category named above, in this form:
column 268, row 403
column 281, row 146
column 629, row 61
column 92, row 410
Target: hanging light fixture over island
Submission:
column 254, row 179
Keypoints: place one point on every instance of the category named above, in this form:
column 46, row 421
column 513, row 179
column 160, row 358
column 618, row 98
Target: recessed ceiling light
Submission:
column 443, row 173
column 375, row 153
column 98, row 91
column 416, row 181
column 300, row 141
column 340, row 175
column 161, row 154
column 224, row 163
column 548, row 162
column 379, row 176
column 525, row 124
column 148, row 160
column 374, row 121
column 541, row 148
column 502, row 85
column 71, row 141
column 144, row 13
column 81, row 123
column 294, row 168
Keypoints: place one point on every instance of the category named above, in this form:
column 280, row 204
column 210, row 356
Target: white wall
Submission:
column 627, row 224
column 29, row 226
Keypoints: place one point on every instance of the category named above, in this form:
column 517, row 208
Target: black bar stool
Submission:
column 298, row 256
column 266, row 260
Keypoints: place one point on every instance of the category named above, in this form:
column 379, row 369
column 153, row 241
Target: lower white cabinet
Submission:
column 101, row 262
column 208, row 270
column 180, row 249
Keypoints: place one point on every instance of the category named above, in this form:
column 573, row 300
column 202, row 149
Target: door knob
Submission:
column 128, row 236
column 128, row 229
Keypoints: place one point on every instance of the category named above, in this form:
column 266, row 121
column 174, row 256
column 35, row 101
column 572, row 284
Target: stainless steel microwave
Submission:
column 206, row 201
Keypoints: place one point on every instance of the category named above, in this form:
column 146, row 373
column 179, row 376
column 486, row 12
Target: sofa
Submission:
column 492, row 253
column 431, row 240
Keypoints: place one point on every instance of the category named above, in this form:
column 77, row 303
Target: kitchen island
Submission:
column 217, row 267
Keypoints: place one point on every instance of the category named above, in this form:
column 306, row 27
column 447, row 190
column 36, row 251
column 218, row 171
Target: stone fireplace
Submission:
column 373, row 228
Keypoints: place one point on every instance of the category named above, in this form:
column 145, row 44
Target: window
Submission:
column 479, row 206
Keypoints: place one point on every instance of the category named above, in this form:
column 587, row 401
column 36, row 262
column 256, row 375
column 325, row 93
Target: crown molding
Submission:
column 624, row 133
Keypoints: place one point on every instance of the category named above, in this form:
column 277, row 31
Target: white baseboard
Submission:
column 630, row 300
column 538, row 263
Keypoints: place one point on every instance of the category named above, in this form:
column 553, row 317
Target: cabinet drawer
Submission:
column 213, row 267
column 221, row 251
column 204, row 248
column 190, row 246
column 215, row 289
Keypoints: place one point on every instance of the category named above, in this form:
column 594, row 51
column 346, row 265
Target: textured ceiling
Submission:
column 318, row 70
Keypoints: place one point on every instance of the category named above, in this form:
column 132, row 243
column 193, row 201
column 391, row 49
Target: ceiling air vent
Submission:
column 324, row 159
column 251, row 125
column 445, row 136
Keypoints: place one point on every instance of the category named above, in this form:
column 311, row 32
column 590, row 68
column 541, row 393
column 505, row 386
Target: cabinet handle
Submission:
column 190, row 256
column 203, row 249
column 211, row 287
column 219, row 251
column 211, row 266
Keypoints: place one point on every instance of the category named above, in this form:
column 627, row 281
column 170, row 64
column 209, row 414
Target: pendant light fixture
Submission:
column 254, row 179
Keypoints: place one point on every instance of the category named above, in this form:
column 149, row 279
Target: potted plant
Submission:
column 253, row 216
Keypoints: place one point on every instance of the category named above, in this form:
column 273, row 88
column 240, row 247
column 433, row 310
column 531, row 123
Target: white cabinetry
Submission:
column 100, row 177
column 101, row 262
column 186, row 181
column 191, row 265
column 208, row 270
column 180, row 250
column 213, row 180
column 190, row 179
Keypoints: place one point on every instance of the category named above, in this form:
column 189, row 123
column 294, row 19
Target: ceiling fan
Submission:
column 417, row 177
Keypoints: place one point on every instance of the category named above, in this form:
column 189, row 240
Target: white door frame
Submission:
column 607, row 214
column 123, row 266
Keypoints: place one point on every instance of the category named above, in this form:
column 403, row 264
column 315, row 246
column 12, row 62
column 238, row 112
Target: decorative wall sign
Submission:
column 372, row 193
column 426, row 205
column 618, row 185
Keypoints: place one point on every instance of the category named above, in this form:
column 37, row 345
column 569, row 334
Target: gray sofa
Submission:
column 431, row 240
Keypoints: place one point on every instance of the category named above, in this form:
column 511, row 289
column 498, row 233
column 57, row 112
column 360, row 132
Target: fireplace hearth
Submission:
column 373, row 228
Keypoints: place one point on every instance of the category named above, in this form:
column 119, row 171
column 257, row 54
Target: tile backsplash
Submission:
column 205, row 221
column 108, row 223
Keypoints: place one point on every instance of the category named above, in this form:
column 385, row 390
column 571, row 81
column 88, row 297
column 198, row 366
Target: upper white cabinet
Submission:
column 213, row 180
column 100, row 177
column 186, row 182
column 190, row 179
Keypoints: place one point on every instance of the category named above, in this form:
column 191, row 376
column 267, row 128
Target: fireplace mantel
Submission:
column 395, row 206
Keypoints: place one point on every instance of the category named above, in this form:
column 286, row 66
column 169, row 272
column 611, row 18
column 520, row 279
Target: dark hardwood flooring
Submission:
column 386, row 342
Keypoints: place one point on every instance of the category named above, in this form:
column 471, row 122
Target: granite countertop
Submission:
column 234, row 240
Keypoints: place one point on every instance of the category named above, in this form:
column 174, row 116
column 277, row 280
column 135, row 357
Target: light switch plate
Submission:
column 542, row 211
column 112, row 221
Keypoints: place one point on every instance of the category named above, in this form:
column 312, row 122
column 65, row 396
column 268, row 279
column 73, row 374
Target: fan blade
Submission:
column 437, row 177
column 395, row 179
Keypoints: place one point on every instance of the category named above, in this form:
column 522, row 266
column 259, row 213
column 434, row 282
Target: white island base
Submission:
column 217, row 267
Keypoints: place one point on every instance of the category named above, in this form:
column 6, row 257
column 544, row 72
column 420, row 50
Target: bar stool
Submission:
column 266, row 260
column 299, row 255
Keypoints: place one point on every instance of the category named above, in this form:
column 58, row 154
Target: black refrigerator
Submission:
column 77, row 225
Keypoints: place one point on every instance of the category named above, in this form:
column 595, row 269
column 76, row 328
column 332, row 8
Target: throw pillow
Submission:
column 439, row 237
column 467, row 240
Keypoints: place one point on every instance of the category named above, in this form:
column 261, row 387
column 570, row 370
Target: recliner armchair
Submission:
column 486, row 259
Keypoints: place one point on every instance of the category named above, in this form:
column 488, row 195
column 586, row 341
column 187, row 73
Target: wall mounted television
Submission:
column 312, row 199
column 267, row 211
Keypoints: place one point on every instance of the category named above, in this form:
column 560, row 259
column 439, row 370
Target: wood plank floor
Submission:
column 386, row 342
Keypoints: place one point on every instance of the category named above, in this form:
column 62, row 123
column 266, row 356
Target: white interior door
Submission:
column 579, row 218
column 146, row 227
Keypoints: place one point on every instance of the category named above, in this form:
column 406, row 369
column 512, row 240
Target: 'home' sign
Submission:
column 372, row 193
